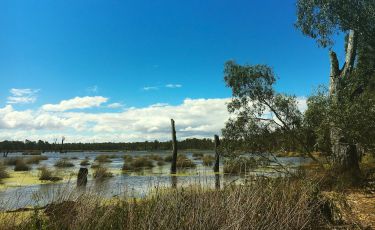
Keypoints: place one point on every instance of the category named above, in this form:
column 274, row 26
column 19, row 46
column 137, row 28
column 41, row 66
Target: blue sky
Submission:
column 144, row 52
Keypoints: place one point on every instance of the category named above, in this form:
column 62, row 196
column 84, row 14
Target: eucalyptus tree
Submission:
column 349, row 106
column 259, row 112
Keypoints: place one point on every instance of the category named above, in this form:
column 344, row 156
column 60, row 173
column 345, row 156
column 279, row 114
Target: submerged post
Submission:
column 174, row 149
column 82, row 177
column 217, row 157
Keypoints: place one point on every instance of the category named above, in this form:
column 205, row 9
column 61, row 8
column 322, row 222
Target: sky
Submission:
column 114, row 70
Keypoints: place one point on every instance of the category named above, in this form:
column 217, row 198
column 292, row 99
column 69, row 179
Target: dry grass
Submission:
column 263, row 204
column 103, row 159
column 184, row 162
column 3, row 173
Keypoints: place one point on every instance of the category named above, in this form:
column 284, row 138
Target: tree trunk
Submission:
column 174, row 149
column 345, row 155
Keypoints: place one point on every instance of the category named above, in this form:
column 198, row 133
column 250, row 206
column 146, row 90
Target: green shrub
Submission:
column 64, row 163
column 101, row 173
column 208, row 160
column 21, row 165
column 36, row 159
column 184, row 162
column 46, row 174
column 11, row 161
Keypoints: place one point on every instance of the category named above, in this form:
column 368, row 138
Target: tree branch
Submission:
column 351, row 52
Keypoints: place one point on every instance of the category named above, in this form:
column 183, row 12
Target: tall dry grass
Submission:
column 261, row 204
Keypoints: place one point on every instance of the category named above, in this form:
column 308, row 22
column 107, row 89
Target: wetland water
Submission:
column 24, row 189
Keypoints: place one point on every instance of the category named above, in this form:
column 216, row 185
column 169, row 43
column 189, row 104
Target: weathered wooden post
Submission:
column 217, row 156
column 82, row 177
column 174, row 149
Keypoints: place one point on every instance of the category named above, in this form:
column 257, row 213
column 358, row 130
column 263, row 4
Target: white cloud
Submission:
column 76, row 103
column 194, row 118
column 173, row 86
column 22, row 96
column 115, row 105
column 148, row 88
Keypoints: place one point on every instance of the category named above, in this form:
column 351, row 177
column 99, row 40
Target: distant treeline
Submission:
column 44, row 146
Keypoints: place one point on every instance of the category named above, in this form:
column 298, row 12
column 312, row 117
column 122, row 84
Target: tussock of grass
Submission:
column 3, row 173
column 103, row 159
column 168, row 158
column 21, row 165
column 184, row 162
column 239, row 165
column 208, row 160
column 101, row 173
column 46, row 174
column 85, row 162
column 11, row 161
column 154, row 157
column 64, row 163
column 138, row 164
column 36, row 159
column 127, row 158
column 197, row 155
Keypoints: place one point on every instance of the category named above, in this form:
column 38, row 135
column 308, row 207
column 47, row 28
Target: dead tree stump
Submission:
column 82, row 177
column 174, row 149
column 217, row 156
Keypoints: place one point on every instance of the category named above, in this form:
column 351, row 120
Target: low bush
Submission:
column 11, row 161
column 197, row 155
column 127, row 158
column 64, row 163
column 155, row 157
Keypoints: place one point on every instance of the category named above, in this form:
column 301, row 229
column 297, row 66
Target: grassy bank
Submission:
column 262, row 204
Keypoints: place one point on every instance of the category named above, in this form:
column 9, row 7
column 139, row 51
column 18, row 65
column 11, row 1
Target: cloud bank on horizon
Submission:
column 200, row 118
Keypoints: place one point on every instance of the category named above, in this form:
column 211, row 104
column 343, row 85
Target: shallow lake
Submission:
column 24, row 189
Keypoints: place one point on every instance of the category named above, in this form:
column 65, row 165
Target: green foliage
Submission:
column 263, row 119
column 323, row 19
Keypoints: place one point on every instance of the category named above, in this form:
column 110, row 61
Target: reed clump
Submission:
column 208, row 160
column 36, row 159
column 48, row 175
column 64, row 163
column 21, row 165
column 103, row 159
column 240, row 165
column 138, row 164
column 102, row 173
column 85, row 162
column 3, row 172
column 184, row 162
